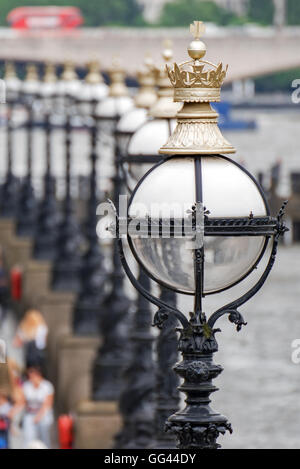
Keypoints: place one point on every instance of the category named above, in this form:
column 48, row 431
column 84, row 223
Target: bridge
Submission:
column 250, row 50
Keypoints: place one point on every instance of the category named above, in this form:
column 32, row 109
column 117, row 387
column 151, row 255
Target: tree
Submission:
column 95, row 12
column 293, row 12
column 261, row 11
column 183, row 12
column 281, row 81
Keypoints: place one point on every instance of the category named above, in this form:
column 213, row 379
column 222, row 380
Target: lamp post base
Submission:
column 114, row 354
column 9, row 197
column 47, row 224
column 44, row 248
column 89, row 305
column 86, row 317
column 65, row 276
column 27, row 210
column 197, row 426
column 108, row 379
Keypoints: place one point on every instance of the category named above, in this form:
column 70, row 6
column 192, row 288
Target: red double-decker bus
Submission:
column 45, row 18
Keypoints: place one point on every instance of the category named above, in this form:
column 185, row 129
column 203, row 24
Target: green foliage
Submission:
column 95, row 12
column 183, row 12
column 261, row 11
column 293, row 12
column 277, row 82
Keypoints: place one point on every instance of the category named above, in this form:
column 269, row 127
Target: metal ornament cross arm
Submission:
column 276, row 229
column 231, row 308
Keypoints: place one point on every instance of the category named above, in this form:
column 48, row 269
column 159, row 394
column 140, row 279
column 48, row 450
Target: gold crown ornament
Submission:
column 197, row 83
column 10, row 71
column 93, row 76
column 69, row 73
column 146, row 95
column 50, row 73
column 117, row 87
column 31, row 73
column 164, row 107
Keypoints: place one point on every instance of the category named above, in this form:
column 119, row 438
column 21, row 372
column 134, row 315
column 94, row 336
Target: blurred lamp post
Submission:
column 10, row 187
column 136, row 400
column 67, row 263
column 112, row 356
column 48, row 214
column 27, row 207
column 93, row 274
column 198, row 223
column 142, row 414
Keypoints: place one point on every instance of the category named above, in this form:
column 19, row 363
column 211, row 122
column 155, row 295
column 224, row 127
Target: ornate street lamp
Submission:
column 156, row 129
column 27, row 206
column 145, row 98
column 67, row 263
column 93, row 89
column 198, row 223
column 142, row 427
column 136, row 400
column 48, row 214
column 10, row 187
column 112, row 356
column 93, row 274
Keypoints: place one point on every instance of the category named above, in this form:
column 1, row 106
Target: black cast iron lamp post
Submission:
column 10, row 187
column 147, row 400
column 112, row 356
column 198, row 223
column 158, row 127
column 145, row 98
column 136, row 400
column 44, row 246
column 67, row 259
column 27, row 206
column 93, row 274
column 93, row 89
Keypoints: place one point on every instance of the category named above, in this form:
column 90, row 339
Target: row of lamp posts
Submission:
column 217, row 235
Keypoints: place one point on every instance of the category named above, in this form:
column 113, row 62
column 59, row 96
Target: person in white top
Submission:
column 38, row 396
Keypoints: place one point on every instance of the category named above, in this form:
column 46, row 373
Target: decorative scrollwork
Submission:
column 236, row 318
column 281, row 228
column 198, row 338
column 232, row 307
column 160, row 317
column 198, row 436
column 196, row 371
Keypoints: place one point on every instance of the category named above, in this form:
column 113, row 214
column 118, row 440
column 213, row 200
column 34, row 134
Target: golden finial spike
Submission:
column 10, row 71
column 69, row 72
column 197, row 29
column 167, row 50
column 93, row 75
column 167, row 44
column 31, row 73
column 50, row 73
column 148, row 61
column 197, row 83
column 117, row 76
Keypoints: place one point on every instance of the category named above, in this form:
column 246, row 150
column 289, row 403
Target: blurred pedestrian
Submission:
column 32, row 334
column 38, row 396
column 5, row 409
column 5, row 406
column 15, row 376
